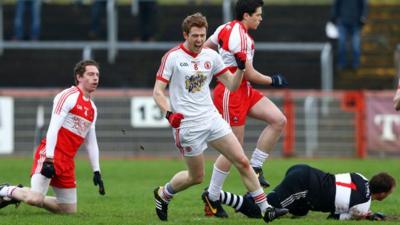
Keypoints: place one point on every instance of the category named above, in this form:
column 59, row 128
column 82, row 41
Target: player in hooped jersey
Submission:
column 345, row 196
column 188, row 70
column 235, row 106
column 72, row 123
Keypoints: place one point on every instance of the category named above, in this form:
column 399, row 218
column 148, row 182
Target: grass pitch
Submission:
column 129, row 185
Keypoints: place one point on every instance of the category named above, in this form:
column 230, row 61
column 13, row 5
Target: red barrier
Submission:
column 290, row 130
column 354, row 101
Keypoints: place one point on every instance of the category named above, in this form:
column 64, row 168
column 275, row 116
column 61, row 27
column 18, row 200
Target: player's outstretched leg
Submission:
column 260, row 174
column 212, row 208
column 6, row 201
column 273, row 213
column 161, row 205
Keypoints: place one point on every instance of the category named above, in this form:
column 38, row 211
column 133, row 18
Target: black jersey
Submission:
column 306, row 188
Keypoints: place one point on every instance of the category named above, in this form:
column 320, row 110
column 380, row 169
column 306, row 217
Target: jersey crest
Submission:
column 195, row 82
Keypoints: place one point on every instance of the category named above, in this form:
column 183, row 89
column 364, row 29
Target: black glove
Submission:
column 98, row 181
column 278, row 81
column 378, row 216
column 240, row 58
column 48, row 169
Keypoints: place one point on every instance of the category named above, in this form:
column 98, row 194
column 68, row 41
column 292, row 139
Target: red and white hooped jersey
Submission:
column 232, row 38
column 189, row 76
column 73, row 117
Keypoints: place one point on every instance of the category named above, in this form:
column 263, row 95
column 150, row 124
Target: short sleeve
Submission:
column 238, row 40
column 219, row 66
column 214, row 37
column 166, row 68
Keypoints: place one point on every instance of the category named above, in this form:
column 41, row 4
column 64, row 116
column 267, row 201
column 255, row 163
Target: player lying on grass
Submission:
column 304, row 188
column 72, row 124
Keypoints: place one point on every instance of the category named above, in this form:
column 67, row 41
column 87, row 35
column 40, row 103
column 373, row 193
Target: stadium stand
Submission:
column 380, row 36
column 137, row 69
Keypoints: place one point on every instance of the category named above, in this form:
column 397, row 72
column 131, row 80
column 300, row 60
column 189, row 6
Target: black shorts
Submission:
column 302, row 190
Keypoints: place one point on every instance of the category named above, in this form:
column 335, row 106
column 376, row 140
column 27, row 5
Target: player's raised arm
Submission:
column 232, row 81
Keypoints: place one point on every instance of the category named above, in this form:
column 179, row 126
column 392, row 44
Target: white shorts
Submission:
column 192, row 141
column 40, row 184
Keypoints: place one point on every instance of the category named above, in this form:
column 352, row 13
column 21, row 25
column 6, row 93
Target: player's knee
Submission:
column 281, row 122
column 197, row 178
column 243, row 163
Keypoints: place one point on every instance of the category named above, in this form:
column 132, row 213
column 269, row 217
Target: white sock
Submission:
column 260, row 199
column 217, row 181
column 167, row 193
column 4, row 191
column 258, row 158
column 7, row 191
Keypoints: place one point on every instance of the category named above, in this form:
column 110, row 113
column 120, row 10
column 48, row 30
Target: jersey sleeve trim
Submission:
column 160, row 78
column 64, row 97
column 221, row 72
column 164, row 61
column 243, row 39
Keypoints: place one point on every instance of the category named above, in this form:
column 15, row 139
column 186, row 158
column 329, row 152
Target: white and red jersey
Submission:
column 72, row 121
column 189, row 75
column 352, row 196
column 232, row 38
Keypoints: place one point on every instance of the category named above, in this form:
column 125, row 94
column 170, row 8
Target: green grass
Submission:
column 129, row 185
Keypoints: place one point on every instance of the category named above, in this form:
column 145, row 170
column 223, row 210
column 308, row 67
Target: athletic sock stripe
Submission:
column 235, row 201
column 240, row 203
column 259, row 198
column 222, row 197
column 228, row 197
column 166, row 196
column 233, row 198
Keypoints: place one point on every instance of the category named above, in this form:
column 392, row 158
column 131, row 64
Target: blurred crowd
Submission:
column 146, row 11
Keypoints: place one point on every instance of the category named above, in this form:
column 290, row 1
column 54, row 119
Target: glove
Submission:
column 240, row 58
column 278, row 81
column 48, row 169
column 174, row 118
column 378, row 216
column 98, row 181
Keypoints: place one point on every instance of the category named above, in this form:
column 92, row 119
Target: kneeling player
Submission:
column 72, row 123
